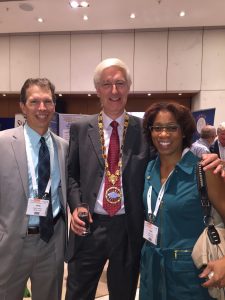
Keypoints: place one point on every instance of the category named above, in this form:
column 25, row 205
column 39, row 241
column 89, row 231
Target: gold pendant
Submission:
column 113, row 178
column 113, row 195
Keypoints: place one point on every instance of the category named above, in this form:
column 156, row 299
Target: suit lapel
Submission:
column 93, row 133
column 19, row 149
column 61, row 159
column 130, row 138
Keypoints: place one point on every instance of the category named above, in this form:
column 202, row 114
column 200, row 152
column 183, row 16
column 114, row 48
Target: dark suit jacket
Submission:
column 14, row 197
column 86, row 170
column 214, row 148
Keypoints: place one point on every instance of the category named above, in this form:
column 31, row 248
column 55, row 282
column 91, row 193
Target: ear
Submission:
column 98, row 92
column 23, row 108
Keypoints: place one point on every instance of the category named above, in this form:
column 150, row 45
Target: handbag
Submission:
column 211, row 243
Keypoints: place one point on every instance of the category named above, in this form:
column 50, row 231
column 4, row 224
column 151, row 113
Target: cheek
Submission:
column 153, row 138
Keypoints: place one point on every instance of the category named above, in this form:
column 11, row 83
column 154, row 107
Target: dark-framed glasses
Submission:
column 168, row 128
column 120, row 84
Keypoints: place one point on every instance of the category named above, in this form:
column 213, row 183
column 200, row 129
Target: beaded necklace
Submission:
column 112, row 177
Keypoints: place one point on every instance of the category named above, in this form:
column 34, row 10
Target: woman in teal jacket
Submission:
column 174, row 216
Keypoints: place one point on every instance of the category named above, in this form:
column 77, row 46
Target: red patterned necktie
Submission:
column 112, row 191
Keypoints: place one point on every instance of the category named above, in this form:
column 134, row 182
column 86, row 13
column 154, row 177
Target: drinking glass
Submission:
column 83, row 214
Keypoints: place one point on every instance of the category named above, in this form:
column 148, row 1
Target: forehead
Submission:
column 112, row 72
column 38, row 91
column 164, row 116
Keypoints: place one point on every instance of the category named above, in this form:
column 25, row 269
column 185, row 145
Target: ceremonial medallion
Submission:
column 113, row 195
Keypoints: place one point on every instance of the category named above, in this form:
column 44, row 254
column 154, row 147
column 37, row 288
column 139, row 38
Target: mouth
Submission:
column 42, row 117
column 114, row 99
column 164, row 144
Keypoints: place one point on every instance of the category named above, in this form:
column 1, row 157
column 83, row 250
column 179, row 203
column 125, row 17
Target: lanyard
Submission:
column 33, row 177
column 153, row 215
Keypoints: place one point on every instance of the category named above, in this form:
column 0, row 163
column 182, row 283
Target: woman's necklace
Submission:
column 112, row 177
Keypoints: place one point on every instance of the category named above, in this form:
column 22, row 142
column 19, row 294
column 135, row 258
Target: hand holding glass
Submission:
column 83, row 214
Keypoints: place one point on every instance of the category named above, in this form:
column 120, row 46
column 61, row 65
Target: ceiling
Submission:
column 108, row 15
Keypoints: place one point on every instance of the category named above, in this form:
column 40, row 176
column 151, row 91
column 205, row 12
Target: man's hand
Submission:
column 212, row 161
column 215, row 271
column 76, row 224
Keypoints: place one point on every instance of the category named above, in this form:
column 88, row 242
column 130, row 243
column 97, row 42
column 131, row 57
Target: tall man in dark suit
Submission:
column 32, row 222
column 114, row 194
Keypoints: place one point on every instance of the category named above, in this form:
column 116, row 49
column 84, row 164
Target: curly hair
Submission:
column 182, row 115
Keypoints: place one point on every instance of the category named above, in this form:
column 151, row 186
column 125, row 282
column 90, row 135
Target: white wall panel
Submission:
column 119, row 45
column 55, row 60
column 85, row 55
column 24, row 59
column 213, row 65
column 4, row 64
column 184, row 60
column 211, row 99
column 150, row 61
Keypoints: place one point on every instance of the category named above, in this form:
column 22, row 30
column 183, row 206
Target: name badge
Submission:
column 37, row 207
column 150, row 232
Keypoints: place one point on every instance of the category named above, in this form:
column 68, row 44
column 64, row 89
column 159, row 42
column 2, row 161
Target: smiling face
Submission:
column 221, row 136
column 167, row 142
column 113, row 91
column 38, row 108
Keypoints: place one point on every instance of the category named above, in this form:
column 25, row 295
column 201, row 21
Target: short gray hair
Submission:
column 111, row 62
column 221, row 127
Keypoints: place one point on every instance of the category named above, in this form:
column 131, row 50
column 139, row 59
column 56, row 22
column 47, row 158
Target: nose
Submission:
column 42, row 106
column 163, row 132
column 114, row 89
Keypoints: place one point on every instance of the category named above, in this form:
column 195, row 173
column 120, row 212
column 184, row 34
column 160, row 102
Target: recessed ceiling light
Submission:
column 74, row 4
column 132, row 16
column 182, row 13
column 84, row 4
column 180, row 94
column 60, row 95
column 4, row 95
column 85, row 17
column 149, row 94
column 40, row 20
column 89, row 95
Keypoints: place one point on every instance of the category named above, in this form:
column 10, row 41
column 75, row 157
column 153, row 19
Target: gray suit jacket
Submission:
column 14, row 195
column 86, row 170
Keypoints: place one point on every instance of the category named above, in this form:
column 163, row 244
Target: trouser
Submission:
column 43, row 263
column 108, row 241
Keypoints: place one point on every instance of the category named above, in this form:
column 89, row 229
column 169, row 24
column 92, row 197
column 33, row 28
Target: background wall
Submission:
column 190, row 60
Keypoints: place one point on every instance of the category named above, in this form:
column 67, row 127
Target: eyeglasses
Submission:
column 167, row 128
column 118, row 84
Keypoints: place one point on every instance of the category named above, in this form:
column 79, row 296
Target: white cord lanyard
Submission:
column 33, row 177
column 153, row 215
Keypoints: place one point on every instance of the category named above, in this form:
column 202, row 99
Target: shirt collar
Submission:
column 107, row 120
column 185, row 162
column 34, row 137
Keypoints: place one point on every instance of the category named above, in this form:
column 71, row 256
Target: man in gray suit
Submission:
column 116, row 232
column 25, row 249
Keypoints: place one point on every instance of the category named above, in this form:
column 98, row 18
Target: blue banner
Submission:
column 203, row 117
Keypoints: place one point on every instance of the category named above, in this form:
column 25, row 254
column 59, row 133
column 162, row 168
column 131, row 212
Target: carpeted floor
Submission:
column 102, row 289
